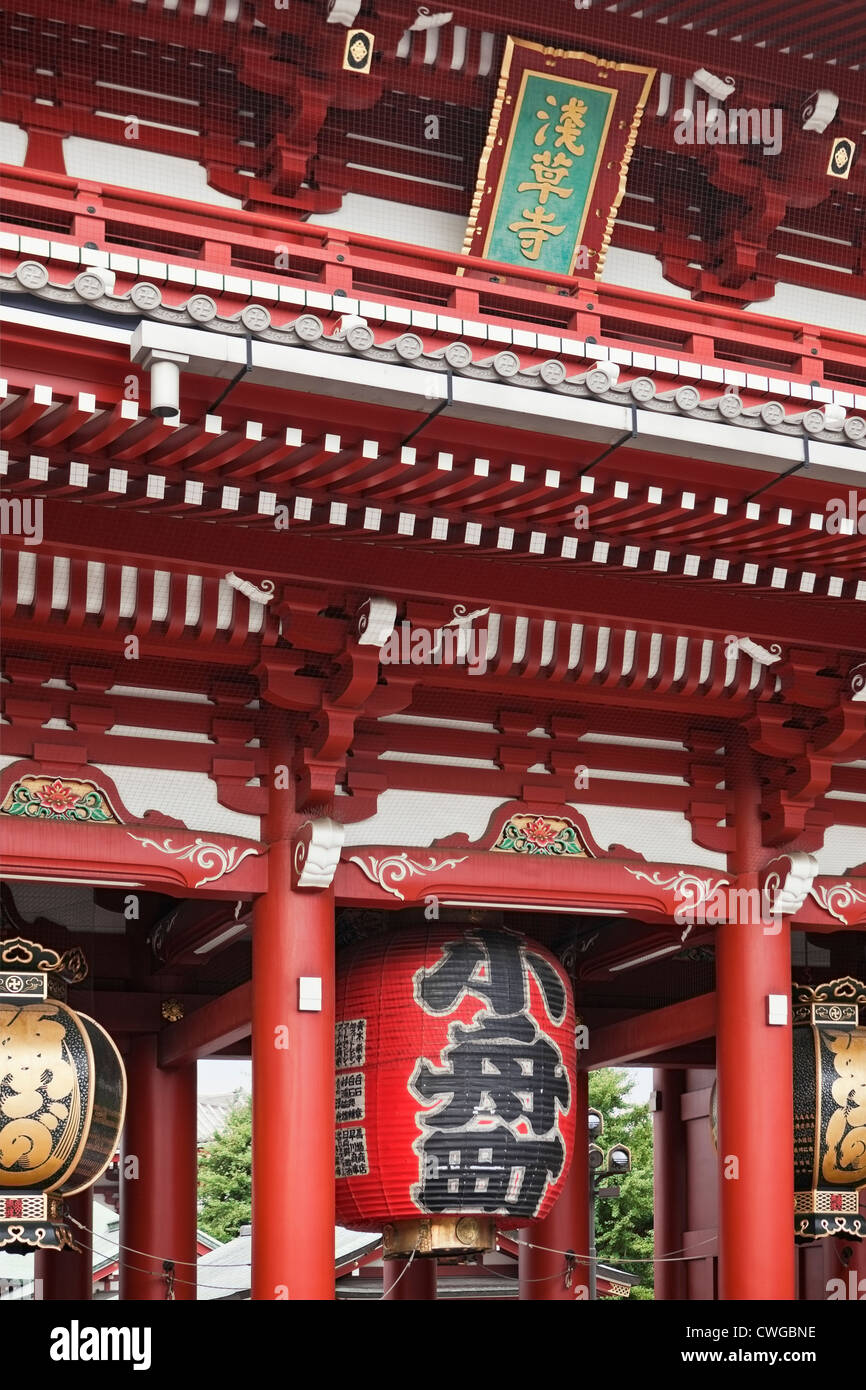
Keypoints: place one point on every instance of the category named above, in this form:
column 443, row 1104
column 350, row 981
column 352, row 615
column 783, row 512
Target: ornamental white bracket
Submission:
column 718, row 87
column 396, row 868
column 343, row 12
column 263, row 594
column 462, row 619
column 858, row 682
column 317, row 852
column 819, row 110
column 462, row 622
column 375, row 621
column 787, row 881
column 762, row 655
column 426, row 20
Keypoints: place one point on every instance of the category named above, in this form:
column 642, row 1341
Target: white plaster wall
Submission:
column 638, row 271
column 419, row 818
column 13, row 143
column 190, row 797
column 410, row 818
column 186, row 796
column 659, row 835
column 844, row 848
column 814, row 306
column 397, row 222
column 129, row 167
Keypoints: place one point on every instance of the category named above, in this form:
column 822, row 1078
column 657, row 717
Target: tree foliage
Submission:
column 624, row 1228
column 224, row 1175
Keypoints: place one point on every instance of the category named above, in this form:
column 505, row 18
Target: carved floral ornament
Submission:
column 44, row 797
column 535, row 834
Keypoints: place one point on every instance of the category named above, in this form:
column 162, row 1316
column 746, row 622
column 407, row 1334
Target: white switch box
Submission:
column 310, row 994
column 777, row 1009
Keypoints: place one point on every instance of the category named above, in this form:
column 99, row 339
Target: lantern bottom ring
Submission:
column 461, row 1236
column 33, row 1221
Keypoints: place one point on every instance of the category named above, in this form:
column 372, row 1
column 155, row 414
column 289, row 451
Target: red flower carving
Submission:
column 57, row 797
column 835, row 1201
column 540, row 832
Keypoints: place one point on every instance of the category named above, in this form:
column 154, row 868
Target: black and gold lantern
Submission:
column 62, row 1095
column 829, row 1109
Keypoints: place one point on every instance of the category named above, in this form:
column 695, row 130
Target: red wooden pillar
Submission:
column 544, row 1273
column 293, row 1081
column 158, row 1179
column 755, row 1081
column 66, row 1276
column 414, row 1285
column 669, row 1184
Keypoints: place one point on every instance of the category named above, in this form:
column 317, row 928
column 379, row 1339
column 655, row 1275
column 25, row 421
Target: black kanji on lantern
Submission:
column 491, row 1171
column 490, row 1138
column 492, row 965
column 497, row 1067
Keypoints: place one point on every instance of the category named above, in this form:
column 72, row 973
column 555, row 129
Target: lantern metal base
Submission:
column 34, row 1221
column 460, row 1236
column 822, row 1213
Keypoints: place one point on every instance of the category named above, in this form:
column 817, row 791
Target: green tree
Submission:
column 624, row 1228
column 224, row 1175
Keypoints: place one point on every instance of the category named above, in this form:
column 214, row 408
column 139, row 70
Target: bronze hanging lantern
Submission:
column 62, row 1095
column 829, row 1109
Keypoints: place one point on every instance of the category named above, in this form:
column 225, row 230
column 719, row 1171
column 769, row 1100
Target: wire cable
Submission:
column 408, row 1266
column 671, row 1258
column 117, row 1247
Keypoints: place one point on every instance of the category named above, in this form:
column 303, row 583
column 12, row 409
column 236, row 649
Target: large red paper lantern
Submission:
column 455, row 1085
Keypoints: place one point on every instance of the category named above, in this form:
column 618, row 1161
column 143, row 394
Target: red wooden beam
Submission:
column 126, row 1012
column 646, row 603
column 671, row 48
column 661, row 1030
column 210, row 1029
column 164, row 858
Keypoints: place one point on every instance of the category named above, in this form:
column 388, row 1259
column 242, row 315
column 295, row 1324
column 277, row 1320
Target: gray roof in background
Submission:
column 212, row 1113
column 106, row 1232
column 225, row 1272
